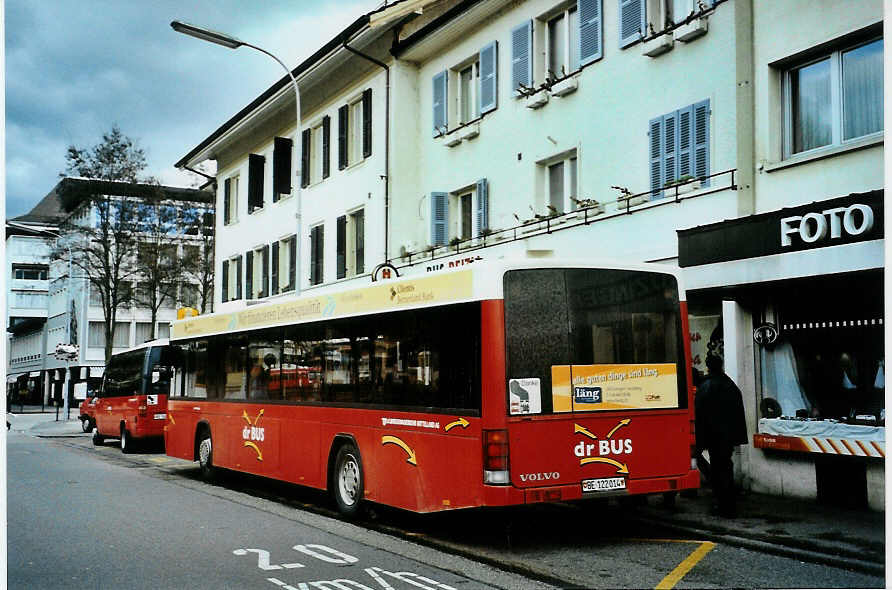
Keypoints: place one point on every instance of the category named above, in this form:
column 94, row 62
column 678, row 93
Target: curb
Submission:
column 842, row 559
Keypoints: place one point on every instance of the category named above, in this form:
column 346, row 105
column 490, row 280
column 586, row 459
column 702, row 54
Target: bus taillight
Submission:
column 495, row 457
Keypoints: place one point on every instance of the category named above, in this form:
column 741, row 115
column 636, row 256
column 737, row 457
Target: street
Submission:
column 83, row 516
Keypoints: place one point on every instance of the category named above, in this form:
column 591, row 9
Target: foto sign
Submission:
column 854, row 220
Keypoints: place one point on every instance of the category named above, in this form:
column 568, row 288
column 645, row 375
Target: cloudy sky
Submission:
column 73, row 69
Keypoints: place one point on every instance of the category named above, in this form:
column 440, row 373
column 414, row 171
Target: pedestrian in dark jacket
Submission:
column 720, row 426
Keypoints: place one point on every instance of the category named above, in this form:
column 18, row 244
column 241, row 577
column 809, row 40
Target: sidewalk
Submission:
column 799, row 529
column 796, row 528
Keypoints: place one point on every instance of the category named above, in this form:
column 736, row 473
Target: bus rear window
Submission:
column 590, row 319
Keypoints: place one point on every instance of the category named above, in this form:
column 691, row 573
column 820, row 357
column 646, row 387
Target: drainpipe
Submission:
column 386, row 69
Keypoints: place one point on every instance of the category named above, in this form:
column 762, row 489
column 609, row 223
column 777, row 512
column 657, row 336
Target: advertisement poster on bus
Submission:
column 592, row 388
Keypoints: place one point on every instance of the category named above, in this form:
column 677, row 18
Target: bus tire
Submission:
column 98, row 439
column 126, row 441
column 347, row 480
column 206, row 455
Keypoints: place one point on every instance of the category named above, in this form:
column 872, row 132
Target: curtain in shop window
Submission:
column 780, row 379
column 862, row 75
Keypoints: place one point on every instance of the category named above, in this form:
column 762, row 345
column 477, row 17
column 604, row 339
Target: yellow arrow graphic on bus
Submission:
column 620, row 467
column 248, row 420
column 395, row 441
column 577, row 429
column 622, row 423
column 172, row 421
column 460, row 422
column 256, row 449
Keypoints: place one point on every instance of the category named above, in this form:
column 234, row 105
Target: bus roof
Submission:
column 475, row 281
column 146, row 344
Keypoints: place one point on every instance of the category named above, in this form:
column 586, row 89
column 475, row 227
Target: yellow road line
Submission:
column 685, row 566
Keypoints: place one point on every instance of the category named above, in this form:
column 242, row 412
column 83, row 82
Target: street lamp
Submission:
column 233, row 43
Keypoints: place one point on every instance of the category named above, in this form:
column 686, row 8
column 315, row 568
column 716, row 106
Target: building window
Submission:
column 143, row 332
column 257, row 273
column 317, row 242
column 230, row 200
column 231, row 279
column 563, row 43
column 472, row 83
column 467, row 207
column 355, row 130
column 284, row 265
column 351, row 244
column 556, row 44
column 95, row 296
column 189, row 295
column 561, row 185
column 163, row 330
column 834, row 99
column 121, row 338
column 679, row 147
column 282, row 148
column 256, row 170
column 30, row 272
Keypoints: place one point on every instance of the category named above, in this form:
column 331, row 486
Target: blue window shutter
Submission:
column 227, row 190
column 326, row 146
column 632, row 22
column 274, row 269
column 439, row 218
column 265, row 272
column 482, row 205
column 701, row 140
column 224, row 281
column 670, row 147
column 440, row 100
column 489, row 87
column 522, row 55
column 685, row 141
column 656, row 156
column 292, row 263
column 590, row 31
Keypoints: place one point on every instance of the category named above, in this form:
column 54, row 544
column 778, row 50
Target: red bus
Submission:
column 132, row 403
column 506, row 383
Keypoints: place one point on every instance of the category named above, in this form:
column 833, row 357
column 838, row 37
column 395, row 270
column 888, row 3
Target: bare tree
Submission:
column 101, row 244
column 159, row 269
column 198, row 259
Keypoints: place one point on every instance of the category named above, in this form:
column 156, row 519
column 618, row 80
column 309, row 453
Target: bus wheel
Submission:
column 126, row 441
column 206, row 456
column 98, row 439
column 86, row 425
column 347, row 484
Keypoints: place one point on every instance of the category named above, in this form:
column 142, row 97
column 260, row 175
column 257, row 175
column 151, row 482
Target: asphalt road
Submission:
column 77, row 521
column 80, row 516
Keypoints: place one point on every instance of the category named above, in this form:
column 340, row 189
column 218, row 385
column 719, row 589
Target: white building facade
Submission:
column 643, row 130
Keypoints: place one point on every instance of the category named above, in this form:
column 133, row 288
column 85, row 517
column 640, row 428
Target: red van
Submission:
column 87, row 414
column 132, row 403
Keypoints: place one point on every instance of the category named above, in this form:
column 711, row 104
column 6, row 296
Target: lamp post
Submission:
column 232, row 43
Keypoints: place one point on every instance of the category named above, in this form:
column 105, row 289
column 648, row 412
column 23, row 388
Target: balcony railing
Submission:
column 588, row 212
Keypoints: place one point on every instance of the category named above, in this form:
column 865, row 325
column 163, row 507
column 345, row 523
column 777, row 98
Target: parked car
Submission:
column 87, row 414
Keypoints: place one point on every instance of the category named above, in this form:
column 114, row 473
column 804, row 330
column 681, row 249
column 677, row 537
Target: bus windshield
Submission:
column 576, row 337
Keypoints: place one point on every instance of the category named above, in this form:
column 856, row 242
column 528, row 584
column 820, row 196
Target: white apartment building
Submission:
column 646, row 130
column 71, row 311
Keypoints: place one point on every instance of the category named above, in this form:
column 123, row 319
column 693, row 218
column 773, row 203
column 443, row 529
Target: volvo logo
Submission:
column 539, row 476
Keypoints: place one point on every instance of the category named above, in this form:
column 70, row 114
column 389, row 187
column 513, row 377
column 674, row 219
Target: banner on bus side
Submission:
column 592, row 388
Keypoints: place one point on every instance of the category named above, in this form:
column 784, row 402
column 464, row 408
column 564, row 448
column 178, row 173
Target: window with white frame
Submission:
column 355, row 130
column 461, row 214
column 283, row 265
column 639, row 19
column 561, row 184
column 562, row 44
column 257, row 273
column 230, row 278
column 351, row 244
column 317, row 250
column 473, row 86
column 834, row 98
column 556, row 43
column 31, row 272
column 143, row 332
column 230, row 200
